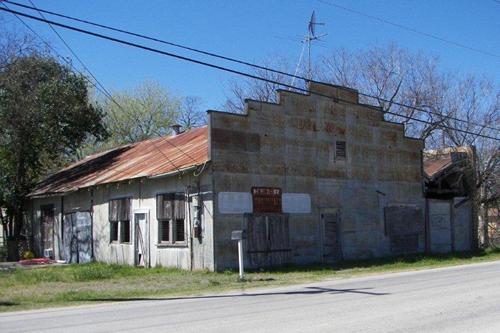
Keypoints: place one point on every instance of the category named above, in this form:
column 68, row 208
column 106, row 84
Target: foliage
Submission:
column 45, row 115
column 141, row 113
column 144, row 112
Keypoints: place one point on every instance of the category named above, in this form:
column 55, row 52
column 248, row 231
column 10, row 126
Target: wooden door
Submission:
column 332, row 250
column 47, row 228
column 268, row 239
column 141, row 242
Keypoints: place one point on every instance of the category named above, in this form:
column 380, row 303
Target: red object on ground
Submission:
column 37, row 261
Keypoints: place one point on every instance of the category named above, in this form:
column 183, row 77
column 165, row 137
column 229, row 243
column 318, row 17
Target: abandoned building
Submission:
column 312, row 178
column 449, row 191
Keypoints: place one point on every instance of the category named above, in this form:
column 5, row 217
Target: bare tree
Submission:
column 191, row 114
column 257, row 89
column 15, row 43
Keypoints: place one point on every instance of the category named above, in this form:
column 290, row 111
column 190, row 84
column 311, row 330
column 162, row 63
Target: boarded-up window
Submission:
column 403, row 225
column 340, row 150
column 170, row 212
column 119, row 220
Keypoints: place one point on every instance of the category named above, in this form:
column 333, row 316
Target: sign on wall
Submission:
column 296, row 203
column 266, row 199
column 235, row 202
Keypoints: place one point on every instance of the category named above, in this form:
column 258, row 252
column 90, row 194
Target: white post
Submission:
column 240, row 257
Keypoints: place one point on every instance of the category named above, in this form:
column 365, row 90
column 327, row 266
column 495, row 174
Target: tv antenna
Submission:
column 311, row 37
column 307, row 41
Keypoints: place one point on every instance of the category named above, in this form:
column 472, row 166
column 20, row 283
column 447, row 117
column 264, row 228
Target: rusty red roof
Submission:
column 147, row 158
column 433, row 166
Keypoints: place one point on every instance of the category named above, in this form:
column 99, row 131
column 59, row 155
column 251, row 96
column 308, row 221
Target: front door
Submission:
column 47, row 226
column 141, row 243
column 268, row 239
column 332, row 251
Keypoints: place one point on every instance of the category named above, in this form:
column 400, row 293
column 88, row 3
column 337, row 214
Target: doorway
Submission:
column 47, row 228
column 77, row 237
column 330, row 223
column 141, row 239
column 268, row 239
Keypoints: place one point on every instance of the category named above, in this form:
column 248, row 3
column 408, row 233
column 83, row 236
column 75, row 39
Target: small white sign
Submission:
column 296, row 203
column 235, row 202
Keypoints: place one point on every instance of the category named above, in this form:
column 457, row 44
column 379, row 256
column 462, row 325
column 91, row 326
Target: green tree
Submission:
column 45, row 115
column 141, row 113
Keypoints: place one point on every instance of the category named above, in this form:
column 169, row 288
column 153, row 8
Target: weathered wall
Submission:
column 143, row 197
column 291, row 145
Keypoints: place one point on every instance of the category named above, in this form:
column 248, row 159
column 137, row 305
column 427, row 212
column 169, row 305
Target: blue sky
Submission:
column 253, row 31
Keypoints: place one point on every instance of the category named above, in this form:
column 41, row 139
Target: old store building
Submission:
column 313, row 178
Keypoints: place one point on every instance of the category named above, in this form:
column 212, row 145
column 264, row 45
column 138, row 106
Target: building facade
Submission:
column 313, row 178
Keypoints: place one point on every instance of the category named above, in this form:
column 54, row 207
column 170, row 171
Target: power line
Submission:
column 97, row 87
column 294, row 76
column 93, row 76
column 162, row 41
column 73, row 52
column 397, row 25
column 173, row 55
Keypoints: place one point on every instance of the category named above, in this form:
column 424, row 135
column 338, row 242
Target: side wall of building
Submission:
column 292, row 146
column 142, row 193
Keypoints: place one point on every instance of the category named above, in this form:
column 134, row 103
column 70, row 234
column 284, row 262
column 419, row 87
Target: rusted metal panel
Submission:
column 266, row 199
column 142, row 159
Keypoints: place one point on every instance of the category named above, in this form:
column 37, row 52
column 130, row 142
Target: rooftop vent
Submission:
column 177, row 129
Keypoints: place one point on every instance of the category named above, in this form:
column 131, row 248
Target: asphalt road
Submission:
column 456, row 299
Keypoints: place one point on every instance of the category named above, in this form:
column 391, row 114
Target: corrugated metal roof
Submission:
column 438, row 160
column 432, row 167
column 147, row 158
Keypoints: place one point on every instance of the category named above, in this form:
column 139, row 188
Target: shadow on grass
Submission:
column 8, row 303
column 305, row 291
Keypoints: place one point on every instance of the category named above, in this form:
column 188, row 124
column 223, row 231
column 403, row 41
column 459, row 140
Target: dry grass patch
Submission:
column 96, row 282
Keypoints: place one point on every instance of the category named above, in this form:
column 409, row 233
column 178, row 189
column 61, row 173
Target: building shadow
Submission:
column 307, row 291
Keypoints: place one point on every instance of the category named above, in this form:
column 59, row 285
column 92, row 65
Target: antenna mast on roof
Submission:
column 311, row 36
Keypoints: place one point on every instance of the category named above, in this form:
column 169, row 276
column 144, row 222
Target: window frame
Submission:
column 172, row 220
column 119, row 223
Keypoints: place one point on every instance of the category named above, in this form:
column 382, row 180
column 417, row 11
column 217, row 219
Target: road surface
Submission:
column 455, row 299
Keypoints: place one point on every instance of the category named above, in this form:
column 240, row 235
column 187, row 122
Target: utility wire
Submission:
column 294, row 76
column 76, row 56
column 97, row 87
column 397, row 25
column 97, row 81
column 173, row 55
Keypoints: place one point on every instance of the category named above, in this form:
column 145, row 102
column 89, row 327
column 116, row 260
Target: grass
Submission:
column 41, row 287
